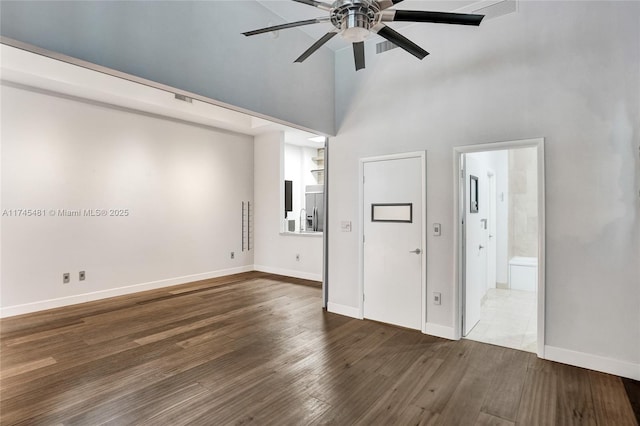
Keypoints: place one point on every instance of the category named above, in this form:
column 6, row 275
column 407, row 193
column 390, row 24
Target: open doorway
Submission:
column 501, row 244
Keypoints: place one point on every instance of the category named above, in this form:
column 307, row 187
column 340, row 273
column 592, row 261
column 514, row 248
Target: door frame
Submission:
column 459, row 234
column 325, row 232
column 492, row 249
column 422, row 155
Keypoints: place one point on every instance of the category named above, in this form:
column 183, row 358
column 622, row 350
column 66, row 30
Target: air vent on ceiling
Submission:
column 383, row 46
column 184, row 98
column 496, row 8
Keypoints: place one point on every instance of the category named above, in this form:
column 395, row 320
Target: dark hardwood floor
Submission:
column 257, row 348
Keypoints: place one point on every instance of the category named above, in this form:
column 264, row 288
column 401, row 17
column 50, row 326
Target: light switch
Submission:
column 345, row 226
column 437, row 229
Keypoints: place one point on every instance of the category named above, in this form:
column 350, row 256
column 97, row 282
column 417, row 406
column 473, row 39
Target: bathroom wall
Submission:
column 523, row 207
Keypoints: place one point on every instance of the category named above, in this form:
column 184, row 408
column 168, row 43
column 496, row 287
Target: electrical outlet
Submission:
column 66, row 278
column 82, row 275
column 233, row 255
column 437, row 298
column 297, row 258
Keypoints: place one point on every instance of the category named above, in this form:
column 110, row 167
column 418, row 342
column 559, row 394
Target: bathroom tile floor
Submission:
column 508, row 318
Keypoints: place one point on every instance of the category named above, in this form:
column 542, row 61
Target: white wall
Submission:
column 195, row 46
column 275, row 252
column 182, row 184
column 565, row 71
column 523, row 202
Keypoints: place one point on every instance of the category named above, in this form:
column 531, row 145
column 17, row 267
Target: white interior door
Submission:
column 393, row 253
column 476, row 206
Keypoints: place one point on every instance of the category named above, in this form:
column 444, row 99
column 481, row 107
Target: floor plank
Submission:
column 539, row 398
column 466, row 401
column 633, row 393
column 575, row 403
column 610, row 405
column 26, row 367
column 503, row 396
column 485, row 419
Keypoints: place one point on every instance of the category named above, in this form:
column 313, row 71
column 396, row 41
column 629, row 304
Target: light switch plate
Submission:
column 437, row 229
column 345, row 226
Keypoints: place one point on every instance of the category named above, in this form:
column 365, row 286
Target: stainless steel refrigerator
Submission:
column 314, row 207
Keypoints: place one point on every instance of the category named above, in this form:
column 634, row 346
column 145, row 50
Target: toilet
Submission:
column 523, row 273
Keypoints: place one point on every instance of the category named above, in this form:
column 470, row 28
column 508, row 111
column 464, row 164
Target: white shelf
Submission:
column 318, row 173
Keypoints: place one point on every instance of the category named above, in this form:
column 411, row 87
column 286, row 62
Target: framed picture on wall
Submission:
column 473, row 194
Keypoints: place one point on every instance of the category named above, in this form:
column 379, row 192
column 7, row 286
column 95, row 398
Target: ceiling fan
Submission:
column 356, row 19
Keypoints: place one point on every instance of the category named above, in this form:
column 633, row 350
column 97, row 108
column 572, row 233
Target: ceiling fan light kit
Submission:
column 355, row 20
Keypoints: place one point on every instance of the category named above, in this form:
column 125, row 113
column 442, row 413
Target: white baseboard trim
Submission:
column 345, row 310
column 593, row 362
column 439, row 331
column 27, row 308
column 288, row 272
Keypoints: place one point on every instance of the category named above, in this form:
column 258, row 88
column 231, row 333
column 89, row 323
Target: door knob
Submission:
column 480, row 247
column 416, row 251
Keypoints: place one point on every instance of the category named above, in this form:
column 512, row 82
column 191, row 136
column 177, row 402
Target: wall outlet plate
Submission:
column 233, row 255
column 82, row 275
column 437, row 298
column 297, row 258
column 66, row 278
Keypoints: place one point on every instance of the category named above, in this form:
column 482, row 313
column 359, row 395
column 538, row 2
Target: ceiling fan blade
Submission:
column 434, row 17
column 400, row 41
column 358, row 55
column 325, row 38
column 385, row 4
column 318, row 4
column 287, row 25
